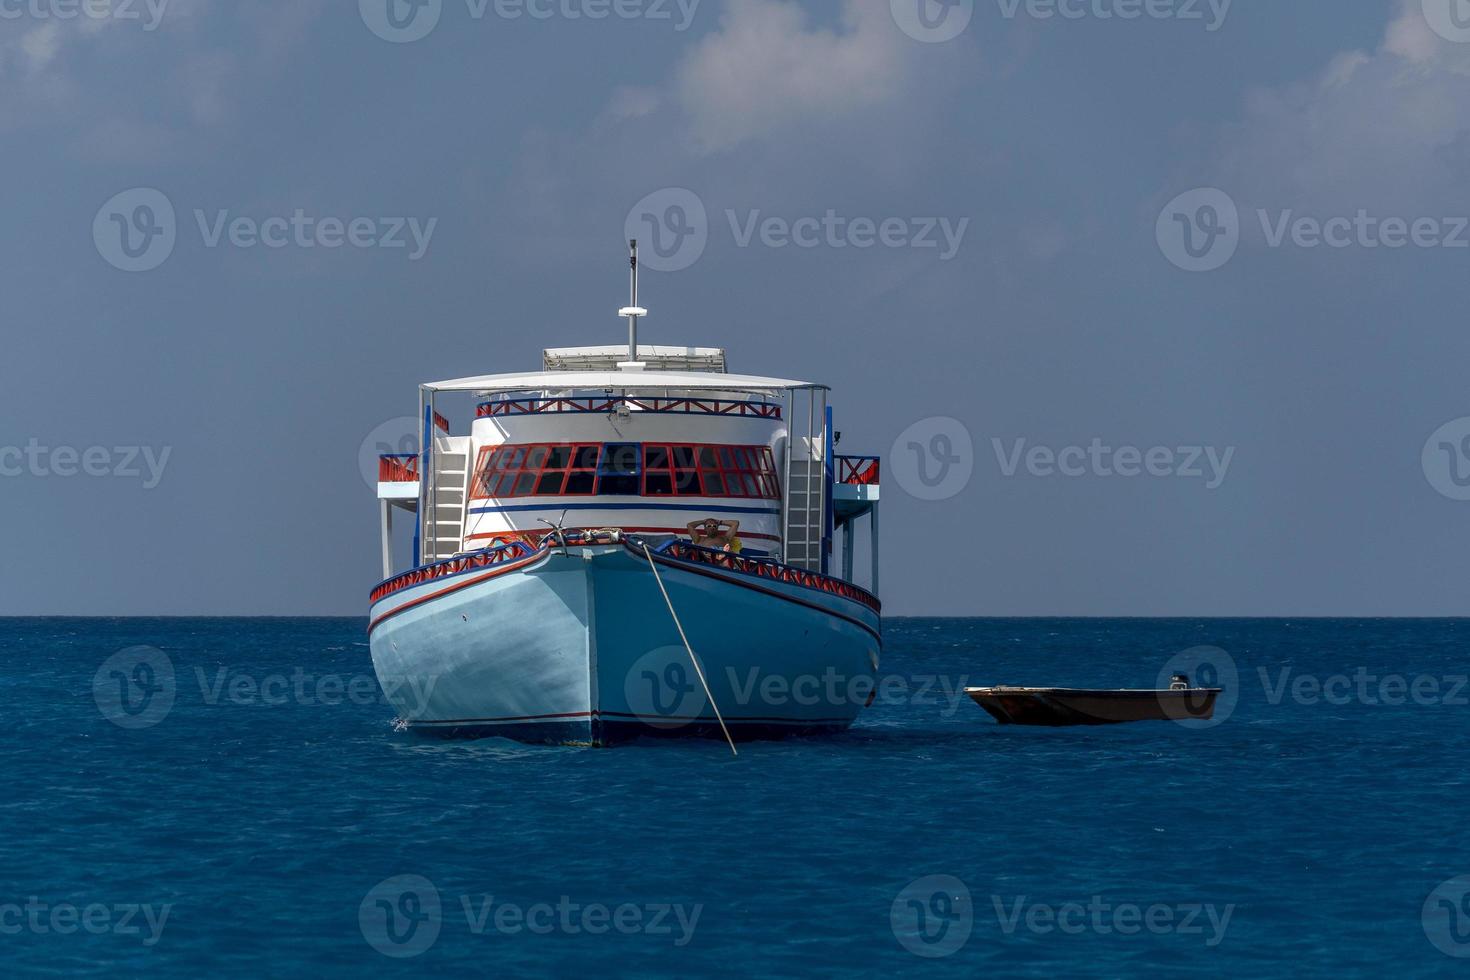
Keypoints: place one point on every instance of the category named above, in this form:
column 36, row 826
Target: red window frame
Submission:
column 691, row 469
column 717, row 470
column 501, row 470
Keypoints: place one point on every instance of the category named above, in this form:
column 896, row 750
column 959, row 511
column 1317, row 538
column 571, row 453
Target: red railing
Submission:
column 684, row 551
column 511, row 551
column 453, row 566
column 440, row 422
column 398, row 468
column 687, row 406
column 860, row 470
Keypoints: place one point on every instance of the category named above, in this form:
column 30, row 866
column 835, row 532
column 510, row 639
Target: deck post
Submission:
column 418, row 518
column 847, row 538
column 790, row 408
column 431, row 518
column 873, row 544
column 386, row 526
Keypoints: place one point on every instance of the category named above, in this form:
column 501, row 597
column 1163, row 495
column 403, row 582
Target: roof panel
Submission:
column 604, row 380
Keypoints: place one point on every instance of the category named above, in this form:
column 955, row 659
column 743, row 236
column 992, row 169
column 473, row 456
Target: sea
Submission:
column 255, row 811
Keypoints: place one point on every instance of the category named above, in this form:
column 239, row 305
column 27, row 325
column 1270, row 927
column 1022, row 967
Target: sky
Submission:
column 1152, row 307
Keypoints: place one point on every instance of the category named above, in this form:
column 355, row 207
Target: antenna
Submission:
column 633, row 311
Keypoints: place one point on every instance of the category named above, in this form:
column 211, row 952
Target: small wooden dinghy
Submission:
column 1058, row 706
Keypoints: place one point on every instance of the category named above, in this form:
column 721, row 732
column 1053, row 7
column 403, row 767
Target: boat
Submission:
column 566, row 583
column 1062, row 706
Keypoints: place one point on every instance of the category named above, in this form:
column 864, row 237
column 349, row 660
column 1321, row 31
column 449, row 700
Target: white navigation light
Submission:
column 632, row 311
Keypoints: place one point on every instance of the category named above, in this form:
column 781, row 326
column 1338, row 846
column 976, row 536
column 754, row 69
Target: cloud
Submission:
column 40, row 45
column 766, row 69
column 1387, row 130
column 193, row 58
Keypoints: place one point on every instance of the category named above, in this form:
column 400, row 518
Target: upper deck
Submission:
column 646, row 446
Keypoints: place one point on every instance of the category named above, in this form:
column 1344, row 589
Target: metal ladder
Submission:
column 806, row 489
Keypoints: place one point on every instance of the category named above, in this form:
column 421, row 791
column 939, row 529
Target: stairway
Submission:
column 448, row 489
column 806, row 493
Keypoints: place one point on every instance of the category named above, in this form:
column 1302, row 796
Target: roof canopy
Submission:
column 607, row 358
column 617, row 380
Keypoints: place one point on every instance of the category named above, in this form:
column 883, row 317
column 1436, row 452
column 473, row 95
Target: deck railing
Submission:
column 499, row 555
column 602, row 406
column 398, row 468
column 788, row 574
column 859, row 470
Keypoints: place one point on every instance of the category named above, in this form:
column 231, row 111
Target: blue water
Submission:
column 263, row 823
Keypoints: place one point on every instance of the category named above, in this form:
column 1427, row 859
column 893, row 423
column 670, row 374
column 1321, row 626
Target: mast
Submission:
column 632, row 311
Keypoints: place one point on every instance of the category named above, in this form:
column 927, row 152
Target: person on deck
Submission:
column 712, row 533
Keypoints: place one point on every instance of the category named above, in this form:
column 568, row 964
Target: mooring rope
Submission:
column 680, row 626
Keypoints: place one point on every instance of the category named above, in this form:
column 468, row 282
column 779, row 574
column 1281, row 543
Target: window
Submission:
column 530, row 471
column 618, row 474
column 625, row 469
column 709, row 471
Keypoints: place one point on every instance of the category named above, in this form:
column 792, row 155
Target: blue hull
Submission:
column 581, row 648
